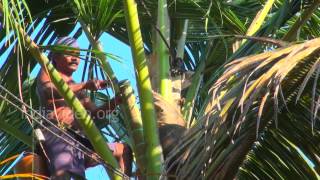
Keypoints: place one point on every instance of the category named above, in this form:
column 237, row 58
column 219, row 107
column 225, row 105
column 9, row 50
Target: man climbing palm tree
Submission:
column 65, row 157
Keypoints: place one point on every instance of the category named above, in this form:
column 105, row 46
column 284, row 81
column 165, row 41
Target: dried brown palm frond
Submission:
column 242, row 101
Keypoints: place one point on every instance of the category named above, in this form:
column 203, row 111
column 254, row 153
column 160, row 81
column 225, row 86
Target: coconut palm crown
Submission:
column 238, row 78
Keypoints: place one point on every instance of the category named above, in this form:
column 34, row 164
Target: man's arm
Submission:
column 102, row 111
column 92, row 85
column 45, row 87
column 48, row 88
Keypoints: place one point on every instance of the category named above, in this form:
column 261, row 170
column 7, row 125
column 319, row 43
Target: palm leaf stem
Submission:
column 162, row 53
column 100, row 57
column 134, row 126
column 260, row 18
column 131, row 113
column 257, row 22
column 150, row 130
column 192, row 92
column 182, row 36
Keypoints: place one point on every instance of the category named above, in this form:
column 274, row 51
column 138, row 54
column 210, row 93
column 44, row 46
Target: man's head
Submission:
column 66, row 63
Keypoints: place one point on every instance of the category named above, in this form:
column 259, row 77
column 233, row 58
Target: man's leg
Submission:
column 123, row 154
column 64, row 157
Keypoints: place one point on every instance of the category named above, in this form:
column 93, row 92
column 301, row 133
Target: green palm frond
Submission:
column 19, row 14
column 231, row 119
column 97, row 14
column 15, row 131
column 237, row 108
column 289, row 151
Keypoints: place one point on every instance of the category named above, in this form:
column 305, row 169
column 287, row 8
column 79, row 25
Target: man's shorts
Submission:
column 66, row 156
